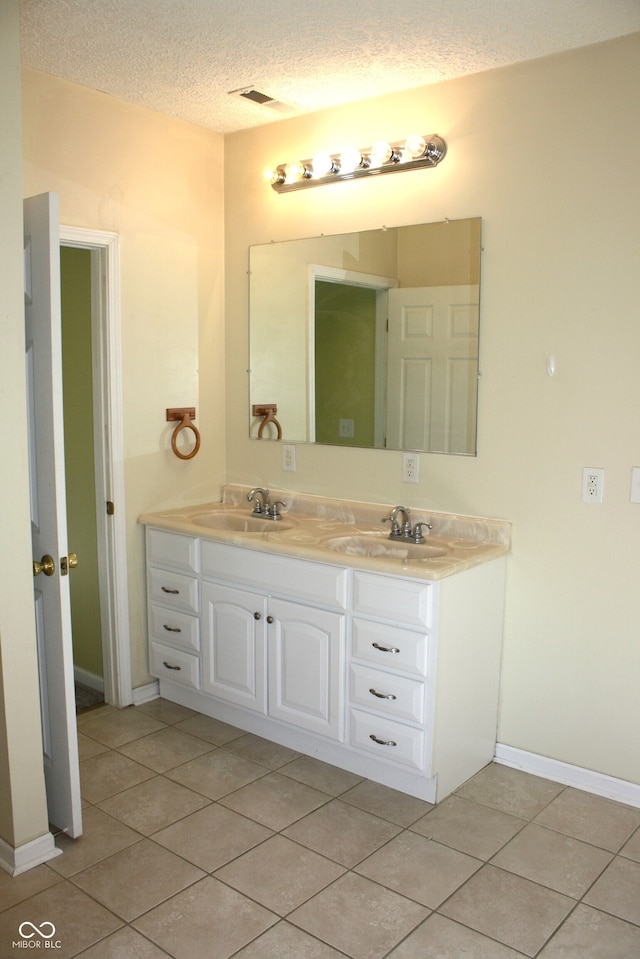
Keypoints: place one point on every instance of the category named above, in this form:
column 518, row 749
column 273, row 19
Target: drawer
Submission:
column 172, row 549
column 389, row 740
column 173, row 589
column 174, row 628
column 394, row 598
column 387, row 693
column 175, row 665
column 389, row 646
column 317, row 583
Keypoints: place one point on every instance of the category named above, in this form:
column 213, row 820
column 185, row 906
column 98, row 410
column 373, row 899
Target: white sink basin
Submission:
column 379, row 545
column 239, row 522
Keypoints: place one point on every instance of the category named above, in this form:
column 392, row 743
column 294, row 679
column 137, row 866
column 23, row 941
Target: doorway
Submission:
column 89, row 261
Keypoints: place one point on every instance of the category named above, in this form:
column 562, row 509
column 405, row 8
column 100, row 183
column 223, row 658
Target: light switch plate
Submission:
column 634, row 496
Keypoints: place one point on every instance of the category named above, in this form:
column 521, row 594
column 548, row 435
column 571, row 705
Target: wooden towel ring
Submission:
column 185, row 415
column 268, row 411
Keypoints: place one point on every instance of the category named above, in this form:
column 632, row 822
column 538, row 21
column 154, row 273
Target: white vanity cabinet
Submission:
column 393, row 677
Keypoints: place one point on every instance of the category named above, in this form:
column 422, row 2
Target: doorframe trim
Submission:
column 109, row 452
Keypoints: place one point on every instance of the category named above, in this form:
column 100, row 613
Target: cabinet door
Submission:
column 233, row 645
column 306, row 667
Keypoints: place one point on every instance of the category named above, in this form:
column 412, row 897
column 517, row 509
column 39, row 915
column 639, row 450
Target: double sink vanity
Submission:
column 319, row 630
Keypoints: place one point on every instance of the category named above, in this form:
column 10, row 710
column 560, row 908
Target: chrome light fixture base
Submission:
column 414, row 153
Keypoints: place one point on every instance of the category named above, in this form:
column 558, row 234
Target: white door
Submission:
column 48, row 511
column 432, row 368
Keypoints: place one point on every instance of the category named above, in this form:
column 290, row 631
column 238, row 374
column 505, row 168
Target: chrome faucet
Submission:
column 405, row 531
column 264, row 509
column 398, row 531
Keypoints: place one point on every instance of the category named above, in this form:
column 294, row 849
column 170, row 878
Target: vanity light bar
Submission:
column 414, row 153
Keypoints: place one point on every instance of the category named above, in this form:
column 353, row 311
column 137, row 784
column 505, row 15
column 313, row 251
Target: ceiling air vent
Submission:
column 264, row 100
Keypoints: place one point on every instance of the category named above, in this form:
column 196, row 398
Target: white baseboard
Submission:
column 145, row 694
column 88, row 679
column 586, row 779
column 21, row 858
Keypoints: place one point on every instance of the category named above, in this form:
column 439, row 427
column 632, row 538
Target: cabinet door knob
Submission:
column 257, row 616
column 374, row 692
column 269, row 619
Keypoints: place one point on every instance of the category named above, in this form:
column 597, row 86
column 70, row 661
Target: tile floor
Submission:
column 203, row 842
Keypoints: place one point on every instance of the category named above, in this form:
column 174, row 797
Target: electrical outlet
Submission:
column 345, row 428
column 410, row 467
column 592, row 484
column 289, row 459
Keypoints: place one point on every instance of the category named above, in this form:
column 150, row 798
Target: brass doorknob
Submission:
column 46, row 566
column 73, row 560
column 67, row 563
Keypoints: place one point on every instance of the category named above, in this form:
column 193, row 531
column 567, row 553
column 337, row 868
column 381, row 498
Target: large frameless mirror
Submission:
column 369, row 339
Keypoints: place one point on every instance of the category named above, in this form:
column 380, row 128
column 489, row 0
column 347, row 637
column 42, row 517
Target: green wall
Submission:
column 75, row 273
column 345, row 338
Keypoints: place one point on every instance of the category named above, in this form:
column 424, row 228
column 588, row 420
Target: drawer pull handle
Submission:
column 374, row 692
column 382, row 742
column 174, row 592
column 169, row 666
column 172, row 629
column 385, row 649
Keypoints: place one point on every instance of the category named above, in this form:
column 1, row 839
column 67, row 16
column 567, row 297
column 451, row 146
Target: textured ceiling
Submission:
column 182, row 57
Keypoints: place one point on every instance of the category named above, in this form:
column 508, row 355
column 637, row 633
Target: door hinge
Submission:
column 110, row 508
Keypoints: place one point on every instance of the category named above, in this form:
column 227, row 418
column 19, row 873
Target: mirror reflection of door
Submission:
column 433, row 362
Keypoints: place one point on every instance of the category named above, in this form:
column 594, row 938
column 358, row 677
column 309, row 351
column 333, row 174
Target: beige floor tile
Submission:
column 596, row 820
column 280, row 874
column 211, row 730
column 89, row 747
column 14, row 889
column 109, row 773
column 79, row 921
column 137, row 878
column 359, row 917
column 342, row 832
column 559, row 862
column 114, row 727
column 262, row 751
column 206, row 920
column 440, row 938
column 631, row 849
column 216, row 773
column 386, row 803
column 102, row 837
column 510, row 790
column 165, row 749
column 212, row 837
column 419, row 868
column 469, row 827
column 275, row 800
column 617, row 891
column 285, row 941
column 502, row 906
column 126, row 943
column 328, row 779
column 589, row 934
column 165, row 711
column 152, row 805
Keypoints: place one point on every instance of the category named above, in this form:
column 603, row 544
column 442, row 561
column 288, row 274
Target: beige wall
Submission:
column 157, row 182
column 23, row 811
column 547, row 153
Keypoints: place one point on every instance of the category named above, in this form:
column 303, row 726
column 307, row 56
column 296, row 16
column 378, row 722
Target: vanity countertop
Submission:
column 310, row 526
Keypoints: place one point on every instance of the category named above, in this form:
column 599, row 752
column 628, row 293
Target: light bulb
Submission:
column 415, row 146
column 380, row 153
column 294, row 171
column 322, row 164
column 350, row 158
